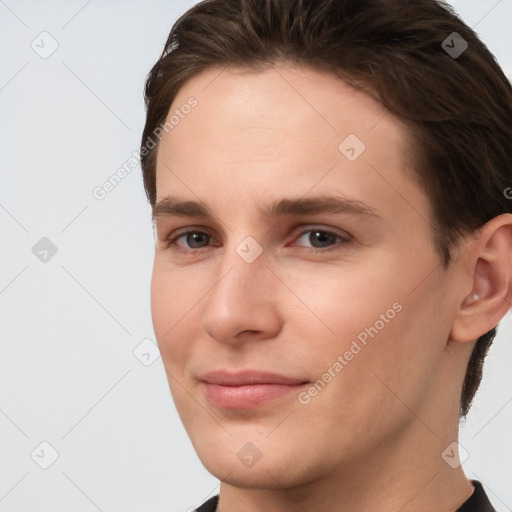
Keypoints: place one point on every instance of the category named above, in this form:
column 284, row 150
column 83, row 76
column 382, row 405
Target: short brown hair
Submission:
column 458, row 107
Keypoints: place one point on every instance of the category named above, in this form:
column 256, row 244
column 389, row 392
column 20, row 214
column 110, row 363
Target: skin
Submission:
column 373, row 437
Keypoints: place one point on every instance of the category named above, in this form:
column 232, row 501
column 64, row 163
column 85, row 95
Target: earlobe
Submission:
column 490, row 296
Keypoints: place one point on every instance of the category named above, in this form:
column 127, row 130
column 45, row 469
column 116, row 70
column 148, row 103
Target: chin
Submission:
column 263, row 463
column 264, row 475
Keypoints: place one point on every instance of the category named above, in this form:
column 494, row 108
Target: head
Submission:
column 253, row 102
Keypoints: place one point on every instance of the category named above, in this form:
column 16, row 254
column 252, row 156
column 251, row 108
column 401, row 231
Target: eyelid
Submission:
column 176, row 233
column 173, row 236
column 343, row 235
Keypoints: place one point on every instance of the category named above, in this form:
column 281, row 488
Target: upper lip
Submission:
column 248, row 377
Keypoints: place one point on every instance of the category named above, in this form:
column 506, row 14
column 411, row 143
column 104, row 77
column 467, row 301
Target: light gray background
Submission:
column 69, row 326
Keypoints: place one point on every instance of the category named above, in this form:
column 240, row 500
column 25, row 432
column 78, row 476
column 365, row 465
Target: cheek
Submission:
column 162, row 303
column 400, row 362
column 174, row 331
column 338, row 303
column 171, row 311
column 378, row 323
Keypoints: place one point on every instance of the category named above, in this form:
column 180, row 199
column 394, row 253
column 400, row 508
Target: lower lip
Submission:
column 247, row 397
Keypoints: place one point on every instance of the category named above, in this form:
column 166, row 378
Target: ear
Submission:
column 488, row 276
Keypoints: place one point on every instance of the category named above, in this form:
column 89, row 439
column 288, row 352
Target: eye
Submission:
column 193, row 239
column 321, row 239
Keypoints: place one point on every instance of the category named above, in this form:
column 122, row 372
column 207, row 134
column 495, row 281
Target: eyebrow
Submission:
column 173, row 206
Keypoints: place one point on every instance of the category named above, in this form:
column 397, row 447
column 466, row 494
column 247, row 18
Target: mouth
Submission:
column 248, row 389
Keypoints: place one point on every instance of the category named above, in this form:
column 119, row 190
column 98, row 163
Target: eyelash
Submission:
column 171, row 242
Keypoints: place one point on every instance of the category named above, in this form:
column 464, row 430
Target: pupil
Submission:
column 194, row 237
column 322, row 236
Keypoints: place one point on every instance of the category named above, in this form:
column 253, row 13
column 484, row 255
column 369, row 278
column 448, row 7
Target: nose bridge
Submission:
column 243, row 273
column 243, row 296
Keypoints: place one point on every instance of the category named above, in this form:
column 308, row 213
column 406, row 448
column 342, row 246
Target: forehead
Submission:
column 285, row 129
column 281, row 102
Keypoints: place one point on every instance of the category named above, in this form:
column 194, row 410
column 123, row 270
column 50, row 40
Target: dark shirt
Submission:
column 477, row 502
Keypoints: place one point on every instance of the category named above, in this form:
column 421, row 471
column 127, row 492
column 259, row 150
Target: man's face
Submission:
column 348, row 304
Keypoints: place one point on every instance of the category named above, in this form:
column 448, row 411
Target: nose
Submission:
column 243, row 302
